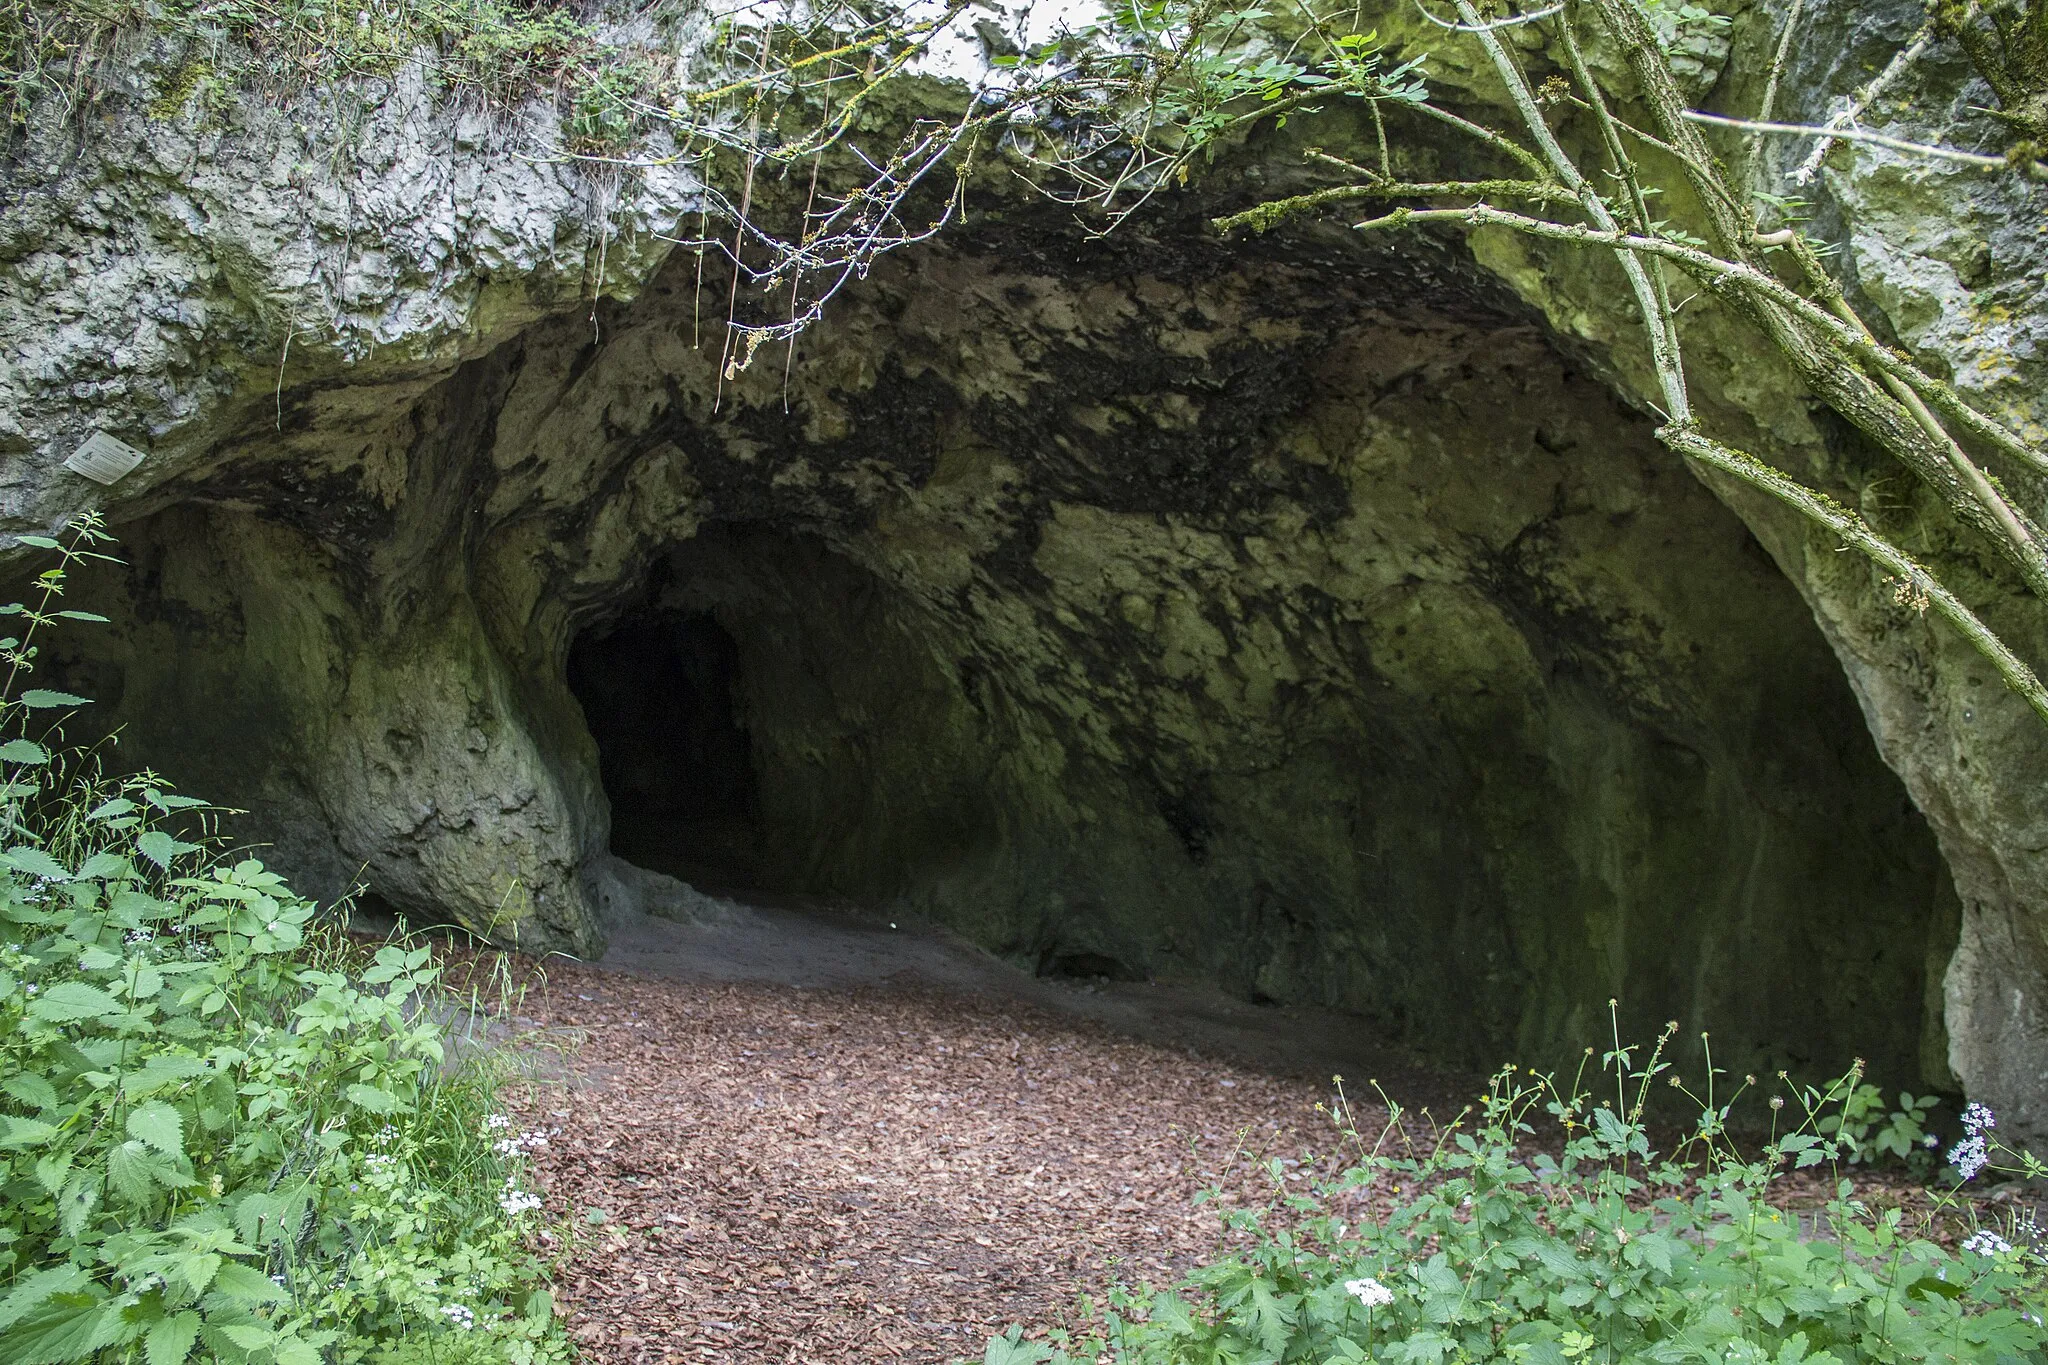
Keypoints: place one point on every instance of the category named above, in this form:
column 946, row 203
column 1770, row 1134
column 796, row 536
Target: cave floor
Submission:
column 817, row 1138
column 789, row 1134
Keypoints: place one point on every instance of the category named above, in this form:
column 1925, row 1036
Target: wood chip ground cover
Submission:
column 872, row 1173
column 759, row 1172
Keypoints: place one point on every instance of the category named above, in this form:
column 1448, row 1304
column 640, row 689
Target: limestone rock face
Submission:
column 1954, row 263
column 1315, row 616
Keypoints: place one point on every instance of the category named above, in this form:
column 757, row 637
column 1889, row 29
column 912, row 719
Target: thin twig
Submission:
column 1484, row 26
column 1670, row 372
column 1849, row 113
column 1769, row 104
column 1977, row 159
column 1717, row 273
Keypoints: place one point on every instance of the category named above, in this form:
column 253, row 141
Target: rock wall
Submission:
column 1184, row 614
column 1315, row 617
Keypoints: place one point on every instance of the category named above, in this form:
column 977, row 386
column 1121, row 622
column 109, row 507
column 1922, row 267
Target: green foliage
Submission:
column 222, row 1130
column 1224, row 73
column 1608, row 1252
column 1867, row 1131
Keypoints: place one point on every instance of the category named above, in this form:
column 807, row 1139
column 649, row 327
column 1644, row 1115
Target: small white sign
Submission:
column 104, row 459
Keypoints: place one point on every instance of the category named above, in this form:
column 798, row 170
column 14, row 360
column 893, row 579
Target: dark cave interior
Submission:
column 658, row 694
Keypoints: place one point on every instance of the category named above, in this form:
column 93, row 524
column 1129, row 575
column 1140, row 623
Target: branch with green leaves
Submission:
column 1197, row 77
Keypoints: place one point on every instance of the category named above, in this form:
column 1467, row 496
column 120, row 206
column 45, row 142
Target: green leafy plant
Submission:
column 225, row 1128
column 1869, row 1132
column 1602, row 1251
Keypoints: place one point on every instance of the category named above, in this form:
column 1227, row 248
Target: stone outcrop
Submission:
column 1314, row 615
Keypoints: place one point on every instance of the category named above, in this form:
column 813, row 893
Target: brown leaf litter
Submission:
column 761, row 1172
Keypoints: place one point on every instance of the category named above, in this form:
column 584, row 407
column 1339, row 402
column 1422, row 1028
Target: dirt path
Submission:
column 814, row 1138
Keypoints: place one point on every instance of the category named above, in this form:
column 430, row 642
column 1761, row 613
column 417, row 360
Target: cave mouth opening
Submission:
column 659, row 690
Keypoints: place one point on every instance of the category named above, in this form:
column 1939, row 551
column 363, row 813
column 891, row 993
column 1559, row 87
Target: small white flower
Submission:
column 493, row 1122
column 1977, row 1118
column 460, row 1314
column 1369, row 1292
column 1987, row 1243
column 1930, row 1142
column 515, row 1201
column 277, row 1280
column 1969, row 1156
column 273, row 927
column 531, row 1140
column 31, row 988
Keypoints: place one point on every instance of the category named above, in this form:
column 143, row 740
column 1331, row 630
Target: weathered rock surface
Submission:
column 1315, row 618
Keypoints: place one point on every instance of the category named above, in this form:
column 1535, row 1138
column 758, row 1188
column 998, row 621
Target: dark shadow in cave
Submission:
column 657, row 691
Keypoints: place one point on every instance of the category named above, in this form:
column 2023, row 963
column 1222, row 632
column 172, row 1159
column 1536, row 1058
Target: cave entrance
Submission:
column 657, row 689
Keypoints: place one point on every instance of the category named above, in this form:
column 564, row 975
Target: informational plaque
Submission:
column 103, row 459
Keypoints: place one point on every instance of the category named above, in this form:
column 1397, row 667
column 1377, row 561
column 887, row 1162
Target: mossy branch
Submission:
column 1854, row 531
column 1721, row 274
column 1265, row 217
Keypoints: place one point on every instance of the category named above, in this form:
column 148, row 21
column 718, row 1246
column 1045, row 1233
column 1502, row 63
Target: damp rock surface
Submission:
column 1310, row 616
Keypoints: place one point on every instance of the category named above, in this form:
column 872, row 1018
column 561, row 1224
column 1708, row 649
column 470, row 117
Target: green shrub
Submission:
column 1608, row 1253
column 224, row 1128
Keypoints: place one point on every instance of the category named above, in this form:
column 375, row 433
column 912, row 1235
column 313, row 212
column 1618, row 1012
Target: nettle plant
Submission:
column 225, row 1129
column 1605, row 1251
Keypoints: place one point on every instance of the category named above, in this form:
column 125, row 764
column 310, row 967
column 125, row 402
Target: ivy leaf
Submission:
column 23, row 751
column 42, row 698
column 170, row 1341
column 157, row 1124
column 160, row 848
column 68, row 1001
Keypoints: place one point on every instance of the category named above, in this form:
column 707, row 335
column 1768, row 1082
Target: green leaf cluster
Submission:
column 226, row 1131
column 1493, row 1249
